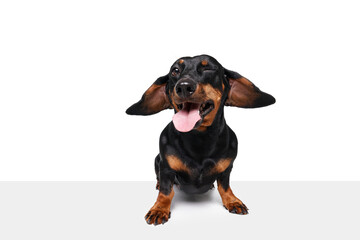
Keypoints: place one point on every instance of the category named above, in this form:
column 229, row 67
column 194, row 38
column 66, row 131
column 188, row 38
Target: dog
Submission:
column 197, row 147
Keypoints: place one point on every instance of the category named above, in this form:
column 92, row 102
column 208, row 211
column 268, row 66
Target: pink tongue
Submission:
column 185, row 119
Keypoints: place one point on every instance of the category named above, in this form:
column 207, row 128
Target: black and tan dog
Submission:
column 197, row 147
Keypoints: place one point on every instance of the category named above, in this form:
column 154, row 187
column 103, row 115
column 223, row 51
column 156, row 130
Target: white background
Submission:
column 70, row 69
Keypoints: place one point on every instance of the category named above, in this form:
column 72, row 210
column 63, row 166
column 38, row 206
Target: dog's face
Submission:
column 197, row 88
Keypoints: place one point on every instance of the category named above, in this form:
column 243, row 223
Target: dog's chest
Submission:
column 199, row 177
column 202, row 167
column 203, row 171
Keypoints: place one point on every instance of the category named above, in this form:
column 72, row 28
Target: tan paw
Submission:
column 157, row 216
column 237, row 207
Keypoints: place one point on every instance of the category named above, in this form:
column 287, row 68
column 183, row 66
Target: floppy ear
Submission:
column 244, row 93
column 153, row 100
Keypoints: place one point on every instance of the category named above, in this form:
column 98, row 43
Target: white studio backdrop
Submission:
column 70, row 69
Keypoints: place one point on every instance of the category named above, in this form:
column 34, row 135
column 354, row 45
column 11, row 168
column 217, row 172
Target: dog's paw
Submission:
column 157, row 216
column 237, row 207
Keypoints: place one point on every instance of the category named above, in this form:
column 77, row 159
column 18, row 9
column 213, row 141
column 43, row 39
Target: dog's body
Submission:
column 197, row 147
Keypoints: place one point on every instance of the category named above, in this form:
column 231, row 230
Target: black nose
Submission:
column 185, row 88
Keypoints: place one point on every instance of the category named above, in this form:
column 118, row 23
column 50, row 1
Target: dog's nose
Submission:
column 185, row 88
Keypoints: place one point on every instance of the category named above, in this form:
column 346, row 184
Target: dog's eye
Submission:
column 175, row 72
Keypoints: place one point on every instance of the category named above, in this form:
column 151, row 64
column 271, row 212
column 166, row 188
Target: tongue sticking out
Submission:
column 187, row 117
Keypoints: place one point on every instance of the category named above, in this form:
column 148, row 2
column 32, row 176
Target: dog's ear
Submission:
column 153, row 100
column 244, row 93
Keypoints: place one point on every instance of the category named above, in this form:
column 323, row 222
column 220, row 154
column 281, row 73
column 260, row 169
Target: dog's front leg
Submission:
column 160, row 212
column 230, row 201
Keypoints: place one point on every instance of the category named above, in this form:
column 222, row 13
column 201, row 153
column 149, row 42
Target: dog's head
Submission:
column 197, row 88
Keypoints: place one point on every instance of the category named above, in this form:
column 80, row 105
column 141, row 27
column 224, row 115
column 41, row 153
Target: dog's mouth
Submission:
column 191, row 114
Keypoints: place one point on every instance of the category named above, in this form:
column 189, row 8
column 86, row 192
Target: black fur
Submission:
column 198, row 150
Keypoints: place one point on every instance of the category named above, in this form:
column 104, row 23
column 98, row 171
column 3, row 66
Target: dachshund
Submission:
column 197, row 147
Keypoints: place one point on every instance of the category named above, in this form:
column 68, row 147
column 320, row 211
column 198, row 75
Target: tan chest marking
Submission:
column 176, row 164
column 221, row 165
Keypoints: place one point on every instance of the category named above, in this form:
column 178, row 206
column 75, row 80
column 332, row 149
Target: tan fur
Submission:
column 176, row 164
column 215, row 95
column 241, row 93
column 221, row 165
column 230, row 201
column 204, row 62
column 161, row 208
column 156, row 99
